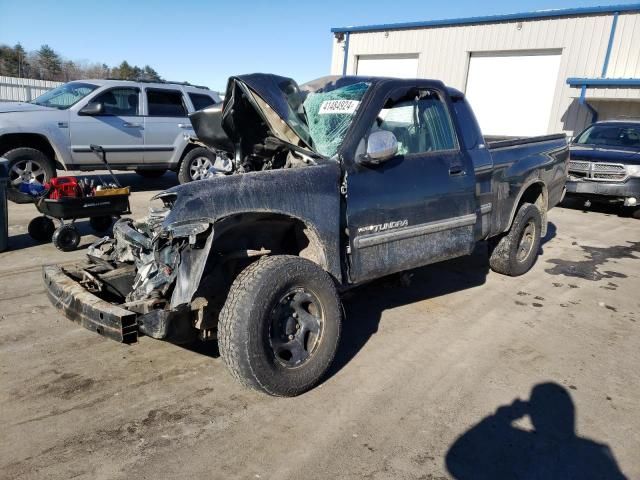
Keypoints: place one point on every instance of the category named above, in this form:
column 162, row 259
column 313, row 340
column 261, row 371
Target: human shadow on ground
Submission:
column 494, row 448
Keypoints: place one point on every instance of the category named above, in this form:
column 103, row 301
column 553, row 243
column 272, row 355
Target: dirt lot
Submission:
column 422, row 371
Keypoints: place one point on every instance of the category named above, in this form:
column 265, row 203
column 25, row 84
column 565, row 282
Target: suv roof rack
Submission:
column 144, row 80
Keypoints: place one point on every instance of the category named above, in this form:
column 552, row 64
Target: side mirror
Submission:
column 381, row 146
column 92, row 108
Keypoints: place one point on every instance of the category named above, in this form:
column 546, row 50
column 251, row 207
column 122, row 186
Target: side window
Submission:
column 201, row 101
column 165, row 103
column 119, row 101
column 420, row 123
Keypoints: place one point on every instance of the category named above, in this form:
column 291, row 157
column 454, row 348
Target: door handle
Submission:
column 185, row 125
column 456, row 170
column 131, row 125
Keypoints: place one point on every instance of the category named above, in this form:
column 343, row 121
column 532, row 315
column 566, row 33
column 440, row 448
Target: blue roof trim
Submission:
column 632, row 7
column 604, row 82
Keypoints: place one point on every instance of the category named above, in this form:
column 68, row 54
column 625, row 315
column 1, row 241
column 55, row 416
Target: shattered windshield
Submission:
column 330, row 114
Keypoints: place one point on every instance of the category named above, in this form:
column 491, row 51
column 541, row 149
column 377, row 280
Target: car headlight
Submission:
column 633, row 170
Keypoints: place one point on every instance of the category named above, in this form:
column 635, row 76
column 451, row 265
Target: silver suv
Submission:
column 143, row 127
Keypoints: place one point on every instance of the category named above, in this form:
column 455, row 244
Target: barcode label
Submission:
column 338, row 106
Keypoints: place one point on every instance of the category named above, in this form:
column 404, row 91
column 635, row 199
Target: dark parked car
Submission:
column 335, row 183
column 605, row 164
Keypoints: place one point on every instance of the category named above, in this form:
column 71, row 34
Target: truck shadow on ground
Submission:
column 364, row 305
column 495, row 448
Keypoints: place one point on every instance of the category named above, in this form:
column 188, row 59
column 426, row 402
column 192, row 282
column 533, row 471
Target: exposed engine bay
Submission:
column 156, row 266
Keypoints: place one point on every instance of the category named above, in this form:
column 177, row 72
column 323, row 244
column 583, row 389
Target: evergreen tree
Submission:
column 150, row 74
column 50, row 63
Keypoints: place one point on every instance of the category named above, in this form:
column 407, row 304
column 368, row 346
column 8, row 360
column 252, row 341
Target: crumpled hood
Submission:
column 256, row 105
column 8, row 107
column 605, row 154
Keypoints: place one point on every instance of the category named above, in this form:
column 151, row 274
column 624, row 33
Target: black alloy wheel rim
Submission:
column 296, row 325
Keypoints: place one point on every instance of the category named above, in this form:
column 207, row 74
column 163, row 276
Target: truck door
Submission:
column 118, row 129
column 418, row 207
column 166, row 119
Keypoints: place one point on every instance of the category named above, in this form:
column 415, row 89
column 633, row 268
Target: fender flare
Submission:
column 516, row 203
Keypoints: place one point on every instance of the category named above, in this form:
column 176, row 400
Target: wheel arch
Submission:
column 536, row 193
column 280, row 233
column 11, row 141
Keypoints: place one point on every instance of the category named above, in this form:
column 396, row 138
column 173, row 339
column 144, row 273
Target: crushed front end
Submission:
column 140, row 281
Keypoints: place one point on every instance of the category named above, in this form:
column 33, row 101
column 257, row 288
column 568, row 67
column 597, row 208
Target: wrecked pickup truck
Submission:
column 329, row 184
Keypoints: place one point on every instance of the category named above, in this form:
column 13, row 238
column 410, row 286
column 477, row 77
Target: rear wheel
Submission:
column 155, row 173
column 27, row 164
column 66, row 238
column 280, row 326
column 515, row 252
column 41, row 229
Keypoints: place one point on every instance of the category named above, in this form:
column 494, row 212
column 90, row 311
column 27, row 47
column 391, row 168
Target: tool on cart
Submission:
column 70, row 198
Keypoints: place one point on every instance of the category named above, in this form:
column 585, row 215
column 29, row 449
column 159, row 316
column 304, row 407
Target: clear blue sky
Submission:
column 204, row 42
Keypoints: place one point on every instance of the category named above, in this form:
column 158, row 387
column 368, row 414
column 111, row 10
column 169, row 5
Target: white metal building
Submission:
column 524, row 73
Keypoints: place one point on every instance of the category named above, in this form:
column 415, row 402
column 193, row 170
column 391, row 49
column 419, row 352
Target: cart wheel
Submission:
column 101, row 224
column 41, row 229
column 66, row 238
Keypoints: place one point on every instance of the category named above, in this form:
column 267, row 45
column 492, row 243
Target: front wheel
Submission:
column 515, row 252
column 279, row 329
column 66, row 238
column 27, row 165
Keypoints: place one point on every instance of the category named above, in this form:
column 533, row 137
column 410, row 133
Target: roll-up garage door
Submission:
column 512, row 93
column 400, row 66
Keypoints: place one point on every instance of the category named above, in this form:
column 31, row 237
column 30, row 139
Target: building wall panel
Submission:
column 444, row 53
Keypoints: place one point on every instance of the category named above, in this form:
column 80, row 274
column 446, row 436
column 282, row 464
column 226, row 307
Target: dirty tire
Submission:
column 505, row 251
column 66, row 238
column 245, row 326
column 155, row 173
column 41, row 166
column 189, row 170
column 636, row 213
column 41, row 229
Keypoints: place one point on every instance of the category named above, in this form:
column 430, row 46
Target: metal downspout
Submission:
column 605, row 67
column 346, row 53
column 612, row 35
column 583, row 101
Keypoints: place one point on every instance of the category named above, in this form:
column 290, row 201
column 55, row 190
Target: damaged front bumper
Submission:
column 100, row 316
column 84, row 308
column 141, row 281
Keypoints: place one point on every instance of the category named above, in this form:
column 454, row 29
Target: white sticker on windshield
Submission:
column 338, row 106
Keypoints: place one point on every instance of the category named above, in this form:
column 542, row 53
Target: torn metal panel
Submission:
column 189, row 273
